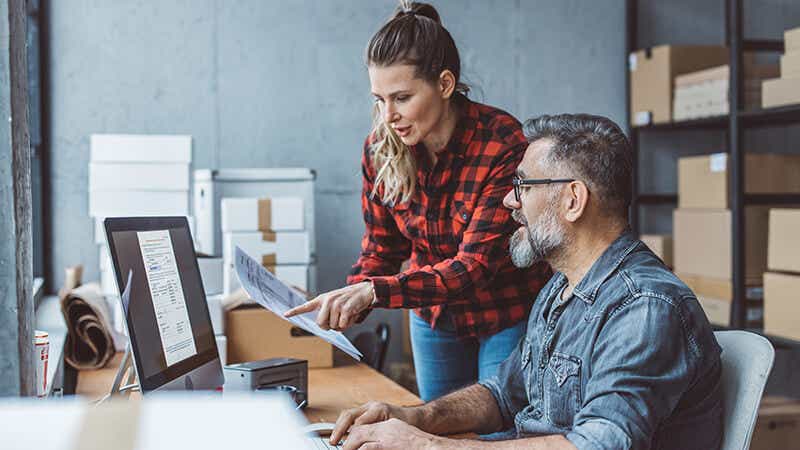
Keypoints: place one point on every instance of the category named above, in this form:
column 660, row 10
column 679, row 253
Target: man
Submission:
column 618, row 353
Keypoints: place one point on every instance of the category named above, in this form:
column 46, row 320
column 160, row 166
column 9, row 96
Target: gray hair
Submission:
column 593, row 149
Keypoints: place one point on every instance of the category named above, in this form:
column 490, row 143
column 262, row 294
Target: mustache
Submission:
column 517, row 215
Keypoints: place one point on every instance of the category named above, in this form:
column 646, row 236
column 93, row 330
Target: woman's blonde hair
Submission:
column 414, row 36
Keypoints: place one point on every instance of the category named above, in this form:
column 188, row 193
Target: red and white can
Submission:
column 41, row 342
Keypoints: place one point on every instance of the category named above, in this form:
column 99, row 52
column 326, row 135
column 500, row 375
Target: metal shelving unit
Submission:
column 733, row 125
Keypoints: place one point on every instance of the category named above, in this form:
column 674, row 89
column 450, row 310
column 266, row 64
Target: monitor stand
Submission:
column 117, row 388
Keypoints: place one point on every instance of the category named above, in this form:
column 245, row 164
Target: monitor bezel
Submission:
column 182, row 368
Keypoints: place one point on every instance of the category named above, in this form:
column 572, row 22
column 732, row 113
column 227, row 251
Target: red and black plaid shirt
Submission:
column 455, row 231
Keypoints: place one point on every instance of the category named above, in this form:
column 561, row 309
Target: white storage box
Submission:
column 138, row 203
column 211, row 269
column 271, row 248
column 222, row 348
column 211, row 186
column 217, row 313
column 263, row 214
column 296, row 275
column 138, row 177
column 108, row 283
column 141, row 148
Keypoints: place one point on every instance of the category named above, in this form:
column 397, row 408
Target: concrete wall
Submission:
column 267, row 83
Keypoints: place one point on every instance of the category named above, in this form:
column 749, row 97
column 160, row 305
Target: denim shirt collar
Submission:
column 605, row 265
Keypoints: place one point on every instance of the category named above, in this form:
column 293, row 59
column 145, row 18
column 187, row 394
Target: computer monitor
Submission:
column 171, row 338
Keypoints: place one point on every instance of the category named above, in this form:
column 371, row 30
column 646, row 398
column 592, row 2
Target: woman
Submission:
column 435, row 169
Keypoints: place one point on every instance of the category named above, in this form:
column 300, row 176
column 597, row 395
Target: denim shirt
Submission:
column 628, row 361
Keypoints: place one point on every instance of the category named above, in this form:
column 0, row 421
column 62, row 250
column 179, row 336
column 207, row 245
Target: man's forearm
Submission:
column 472, row 409
column 552, row 442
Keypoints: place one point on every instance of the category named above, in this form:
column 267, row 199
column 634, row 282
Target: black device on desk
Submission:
column 171, row 338
column 282, row 374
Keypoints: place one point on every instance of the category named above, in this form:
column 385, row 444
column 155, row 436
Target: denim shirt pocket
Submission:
column 562, row 386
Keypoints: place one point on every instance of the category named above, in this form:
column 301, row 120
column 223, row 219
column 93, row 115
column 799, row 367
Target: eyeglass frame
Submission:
column 517, row 182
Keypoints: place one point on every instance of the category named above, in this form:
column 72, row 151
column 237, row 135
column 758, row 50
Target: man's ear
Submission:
column 447, row 83
column 577, row 200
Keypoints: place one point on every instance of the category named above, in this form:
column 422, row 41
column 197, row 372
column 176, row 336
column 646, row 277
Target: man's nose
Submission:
column 510, row 200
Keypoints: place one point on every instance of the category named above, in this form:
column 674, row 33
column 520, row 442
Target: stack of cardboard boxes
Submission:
column 271, row 230
column 269, row 213
column 652, row 77
column 782, row 282
column 702, row 226
column 135, row 175
column 786, row 89
column 705, row 93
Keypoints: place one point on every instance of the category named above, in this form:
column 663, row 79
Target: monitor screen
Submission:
column 167, row 314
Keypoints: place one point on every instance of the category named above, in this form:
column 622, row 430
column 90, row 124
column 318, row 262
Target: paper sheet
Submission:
column 277, row 297
column 166, row 292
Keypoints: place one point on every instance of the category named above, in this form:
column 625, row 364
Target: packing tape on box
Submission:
column 269, row 236
column 265, row 215
column 269, row 260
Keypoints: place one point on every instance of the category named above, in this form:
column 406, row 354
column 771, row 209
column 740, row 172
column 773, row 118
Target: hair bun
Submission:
column 417, row 9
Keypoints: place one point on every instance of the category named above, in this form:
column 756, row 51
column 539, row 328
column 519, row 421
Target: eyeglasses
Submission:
column 517, row 182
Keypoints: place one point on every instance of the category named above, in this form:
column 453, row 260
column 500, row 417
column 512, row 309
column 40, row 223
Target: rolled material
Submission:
column 89, row 344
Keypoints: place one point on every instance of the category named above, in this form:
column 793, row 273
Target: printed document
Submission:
column 277, row 297
column 166, row 292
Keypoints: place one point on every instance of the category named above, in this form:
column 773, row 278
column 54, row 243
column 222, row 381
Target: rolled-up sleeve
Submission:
column 508, row 385
column 641, row 367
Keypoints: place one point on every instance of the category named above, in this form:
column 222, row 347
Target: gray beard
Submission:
column 544, row 239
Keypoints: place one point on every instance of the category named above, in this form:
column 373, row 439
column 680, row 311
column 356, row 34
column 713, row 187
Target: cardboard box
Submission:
column 791, row 40
column 661, row 245
column 703, row 180
column 783, row 253
column 271, row 248
column 263, row 214
column 780, row 92
column 296, row 275
column 790, row 65
column 138, row 203
column 718, row 288
column 138, row 177
column 140, row 148
column 718, row 312
column 217, row 313
column 782, row 305
column 255, row 333
column 211, row 272
column 703, row 242
column 777, row 425
column 653, row 73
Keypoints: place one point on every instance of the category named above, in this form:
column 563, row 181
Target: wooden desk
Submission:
column 330, row 390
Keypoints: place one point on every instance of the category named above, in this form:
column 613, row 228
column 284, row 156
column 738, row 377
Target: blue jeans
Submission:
column 444, row 363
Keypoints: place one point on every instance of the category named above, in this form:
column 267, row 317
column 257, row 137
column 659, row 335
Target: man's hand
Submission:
column 338, row 309
column 367, row 413
column 392, row 434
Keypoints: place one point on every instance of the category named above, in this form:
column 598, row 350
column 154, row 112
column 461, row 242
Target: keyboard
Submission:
column 321, row 443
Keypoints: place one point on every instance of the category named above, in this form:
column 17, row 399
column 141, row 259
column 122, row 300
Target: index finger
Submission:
column 343, row 423
column 304, row 308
